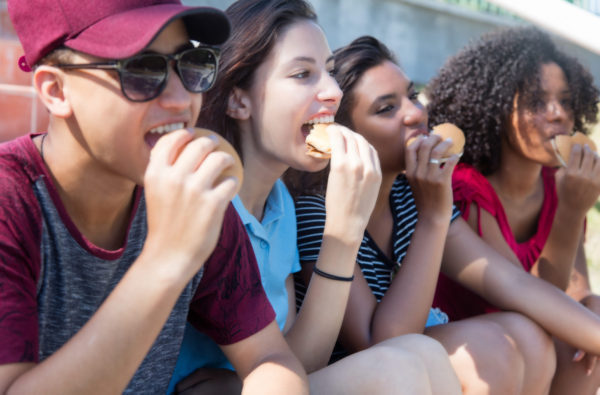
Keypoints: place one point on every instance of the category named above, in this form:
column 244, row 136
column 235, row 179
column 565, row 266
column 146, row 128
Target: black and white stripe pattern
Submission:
column 377, row 268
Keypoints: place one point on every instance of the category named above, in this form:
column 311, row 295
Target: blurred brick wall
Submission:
column 20, row 110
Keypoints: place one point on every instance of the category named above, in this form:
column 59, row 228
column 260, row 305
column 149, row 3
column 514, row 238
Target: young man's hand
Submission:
column 185, row 206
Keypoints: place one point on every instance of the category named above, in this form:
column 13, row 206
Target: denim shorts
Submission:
column 436, row 317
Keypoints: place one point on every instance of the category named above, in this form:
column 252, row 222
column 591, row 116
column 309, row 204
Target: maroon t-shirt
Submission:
column 52, row 279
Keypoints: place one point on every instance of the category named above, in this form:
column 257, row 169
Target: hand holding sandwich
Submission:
column 353, row 183
column 182, row 184
column 430, row 160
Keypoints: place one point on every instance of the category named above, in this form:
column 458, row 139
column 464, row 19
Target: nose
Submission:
column 415, row 113
column 556, row 111
column 175, row 96
column 329, row 90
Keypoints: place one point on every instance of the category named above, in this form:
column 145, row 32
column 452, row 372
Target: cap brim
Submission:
column 125, row 34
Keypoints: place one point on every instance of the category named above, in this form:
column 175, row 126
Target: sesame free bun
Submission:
column 451, row 131
column 563, row 144
column 235, row 170
column 317, row 142
column 445, row 131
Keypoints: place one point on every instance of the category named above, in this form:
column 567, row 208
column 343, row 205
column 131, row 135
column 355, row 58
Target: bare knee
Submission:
column 484, row 357
column 381, row 369
column 537, row 350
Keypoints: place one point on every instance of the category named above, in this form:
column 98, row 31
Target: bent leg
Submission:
column 387, row 368
column 500, row 353
column 536, row 348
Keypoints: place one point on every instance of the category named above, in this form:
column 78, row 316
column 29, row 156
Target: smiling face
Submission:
column 387, row 113
column 532, row 129
column 113, row 132
column 291, row 88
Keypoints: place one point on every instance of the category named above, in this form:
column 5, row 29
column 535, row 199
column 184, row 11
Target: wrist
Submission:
column 569, row 216
column 169, row 268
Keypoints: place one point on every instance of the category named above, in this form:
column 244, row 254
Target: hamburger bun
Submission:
column 317, row 142
column 563, row 144
column 445, row 131
column 236, row 170
column 451, row 131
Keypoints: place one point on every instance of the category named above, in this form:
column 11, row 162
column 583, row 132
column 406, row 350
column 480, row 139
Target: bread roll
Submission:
column 317, row 141
column 449, row 130
column 563, row 144
column 235, row 170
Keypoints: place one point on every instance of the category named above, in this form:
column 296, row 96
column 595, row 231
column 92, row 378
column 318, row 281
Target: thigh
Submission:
column 384, row 368
column 483, row 355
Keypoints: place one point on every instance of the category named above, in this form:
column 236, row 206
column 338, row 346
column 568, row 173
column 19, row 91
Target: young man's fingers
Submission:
column 194, row 153
column 167, row 147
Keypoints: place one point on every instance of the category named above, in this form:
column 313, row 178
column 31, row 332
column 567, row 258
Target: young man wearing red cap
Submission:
column 98, row 275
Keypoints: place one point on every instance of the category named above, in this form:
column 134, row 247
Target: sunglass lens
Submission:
column 197, row 69
column 142, row 77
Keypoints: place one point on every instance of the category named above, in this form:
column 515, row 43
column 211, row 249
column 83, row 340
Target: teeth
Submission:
column 323, row 119
column 167, row 128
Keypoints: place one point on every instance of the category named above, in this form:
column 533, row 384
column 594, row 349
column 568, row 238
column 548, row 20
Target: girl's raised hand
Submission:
column 578, row 184
column 429, row 173
column 353, row 183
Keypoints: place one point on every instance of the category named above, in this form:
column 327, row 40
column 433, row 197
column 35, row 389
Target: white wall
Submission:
column 422, row 33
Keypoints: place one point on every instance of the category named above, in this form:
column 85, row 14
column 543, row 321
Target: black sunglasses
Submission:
column 143, row 77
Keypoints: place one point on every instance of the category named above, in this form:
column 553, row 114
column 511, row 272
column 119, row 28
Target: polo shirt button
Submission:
column 263, row 244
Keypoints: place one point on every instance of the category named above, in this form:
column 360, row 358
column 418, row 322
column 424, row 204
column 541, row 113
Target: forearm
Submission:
column 317, row 325
column 106, row 352
column 552, row 309
column 579, row 284
column 558, row 256
column 405, row 306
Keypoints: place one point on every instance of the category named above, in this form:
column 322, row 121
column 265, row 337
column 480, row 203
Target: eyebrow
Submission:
column 303, row 59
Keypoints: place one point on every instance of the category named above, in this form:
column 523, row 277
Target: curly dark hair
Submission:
column 476, row 88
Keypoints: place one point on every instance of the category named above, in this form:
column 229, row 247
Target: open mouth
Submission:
column 306, row 127
column 156, row 133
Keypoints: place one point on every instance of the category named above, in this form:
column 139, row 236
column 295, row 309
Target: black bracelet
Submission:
column 332, row 276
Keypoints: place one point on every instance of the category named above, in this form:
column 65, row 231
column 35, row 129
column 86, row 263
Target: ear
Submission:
column 239, row 104
column 49, row 84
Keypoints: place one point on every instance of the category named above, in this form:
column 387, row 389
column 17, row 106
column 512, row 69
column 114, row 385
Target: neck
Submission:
column 98, row 202
column 258, row 183
column 517, row 177
column 382, row 204
column 261, row 171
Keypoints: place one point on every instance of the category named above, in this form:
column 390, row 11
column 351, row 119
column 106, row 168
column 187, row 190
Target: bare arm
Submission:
column 405, row 306
column 352, row 189
column 107, row 351
column 578, row 187
column 484, row 271
column 266, row 364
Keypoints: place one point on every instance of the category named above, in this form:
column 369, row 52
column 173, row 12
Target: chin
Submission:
column 312, row 165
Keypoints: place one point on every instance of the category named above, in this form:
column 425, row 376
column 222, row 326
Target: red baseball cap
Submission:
column 112, row 29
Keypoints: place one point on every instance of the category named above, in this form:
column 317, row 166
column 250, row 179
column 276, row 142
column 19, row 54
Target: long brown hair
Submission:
column 256, row 26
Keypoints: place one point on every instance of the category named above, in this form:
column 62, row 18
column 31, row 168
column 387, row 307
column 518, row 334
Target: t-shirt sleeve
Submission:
column 310, row 220
column 230, row 303
column 20, row 233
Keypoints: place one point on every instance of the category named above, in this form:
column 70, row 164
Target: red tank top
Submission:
column 471, row 188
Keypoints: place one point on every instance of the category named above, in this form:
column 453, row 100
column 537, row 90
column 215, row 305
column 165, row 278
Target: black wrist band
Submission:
column 332, row 276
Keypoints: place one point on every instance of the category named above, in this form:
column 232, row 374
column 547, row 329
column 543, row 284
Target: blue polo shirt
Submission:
column 274, row 244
